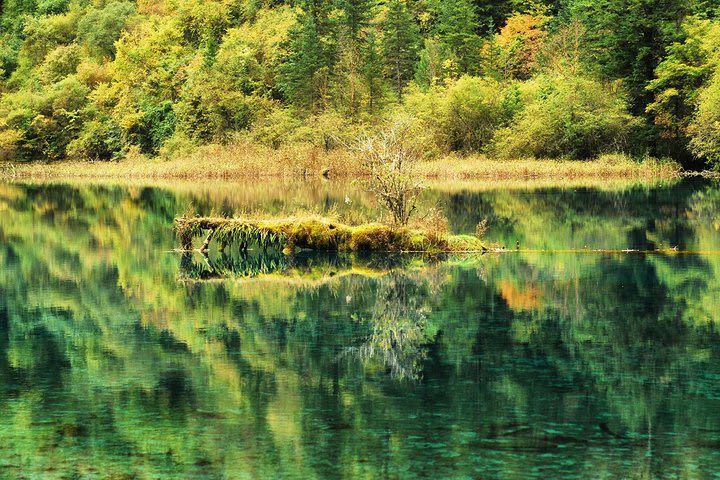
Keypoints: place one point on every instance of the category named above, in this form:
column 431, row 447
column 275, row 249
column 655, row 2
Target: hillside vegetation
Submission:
column 574, row 79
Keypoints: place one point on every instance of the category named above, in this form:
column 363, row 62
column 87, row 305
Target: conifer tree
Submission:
column 400, row 43
column 313, row 55
column 627, row 39
column 373, row 71
column 456, row 29
column 354, row 23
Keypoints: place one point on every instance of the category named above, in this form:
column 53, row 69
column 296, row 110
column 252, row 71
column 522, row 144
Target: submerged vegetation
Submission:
column 148, row 79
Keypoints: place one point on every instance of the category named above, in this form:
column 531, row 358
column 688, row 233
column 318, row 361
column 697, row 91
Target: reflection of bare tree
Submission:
column 399, row 330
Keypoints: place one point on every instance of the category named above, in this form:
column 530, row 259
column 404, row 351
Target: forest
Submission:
column 571, row 79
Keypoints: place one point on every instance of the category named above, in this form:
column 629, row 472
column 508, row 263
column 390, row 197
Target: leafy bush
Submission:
column 43, row 34
column 98, row 140
column 464, row 115
column 60, row 63
column 567, row 117
column 705, row 127
column 328, row 130
column 100, row 28
column 210, row 109
column 249, row 56
column 50, row 7
column 43, row 123
column 276, row 128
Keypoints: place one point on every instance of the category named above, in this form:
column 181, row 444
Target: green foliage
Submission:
column 306, row 74
column 400, row 44
column 52, row 7
column 705, row 127
column 98, row 140
column 276, row 128
column 680, row 78
column 250, row 55
column 456, row 29
column 45, row 122
column 567, row 117
column 372, row 73
column 201, row 72
column 60, row 63
column 626, row 39
column 465, row 114
column 100, row 28
column 210, row 109
column 43, row 34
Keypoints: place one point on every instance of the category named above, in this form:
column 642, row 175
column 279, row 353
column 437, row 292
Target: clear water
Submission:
column 121, row 359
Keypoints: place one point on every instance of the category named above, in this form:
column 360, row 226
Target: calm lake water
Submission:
column 122, row 359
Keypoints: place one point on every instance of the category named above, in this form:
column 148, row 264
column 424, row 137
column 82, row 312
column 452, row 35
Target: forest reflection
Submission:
column 118, row 355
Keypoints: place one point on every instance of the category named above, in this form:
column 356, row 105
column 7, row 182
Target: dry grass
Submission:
column 248, row 161
column 608, row 166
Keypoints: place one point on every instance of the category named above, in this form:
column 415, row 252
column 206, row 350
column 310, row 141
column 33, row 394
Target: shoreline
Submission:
column 250, row 161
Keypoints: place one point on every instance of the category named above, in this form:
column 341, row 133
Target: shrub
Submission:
column 567, row 117
column 210, row 109
column 97, row 140
column 9, row 141
column 43, row 34
column 389, row 160
column 249, row 56
column 51, row 7
column 45, row 122
column 60, row 63
column 328, row 130
column 100, row 28
column 434, row 224
column 705, row 127
column 464, row 115
column 275, row 128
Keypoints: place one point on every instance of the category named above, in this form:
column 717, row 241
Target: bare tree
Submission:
column 389, row 160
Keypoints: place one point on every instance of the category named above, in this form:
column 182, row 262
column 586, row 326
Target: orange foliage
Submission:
column 526, row 299
column 151, row 7
column 513, row 52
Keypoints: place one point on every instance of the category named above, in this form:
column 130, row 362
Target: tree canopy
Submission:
column 104, row 79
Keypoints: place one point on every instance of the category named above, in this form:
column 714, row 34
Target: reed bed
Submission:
column 252, row 161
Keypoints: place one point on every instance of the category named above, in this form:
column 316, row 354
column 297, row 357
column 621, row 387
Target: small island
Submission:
column 320, row 234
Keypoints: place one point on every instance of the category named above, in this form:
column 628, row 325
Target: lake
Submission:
column 120, row 358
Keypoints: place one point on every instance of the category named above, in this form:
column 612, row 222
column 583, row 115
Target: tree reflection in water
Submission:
column 399, row 330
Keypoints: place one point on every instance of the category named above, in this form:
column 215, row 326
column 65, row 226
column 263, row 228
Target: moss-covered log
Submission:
column 316, row 234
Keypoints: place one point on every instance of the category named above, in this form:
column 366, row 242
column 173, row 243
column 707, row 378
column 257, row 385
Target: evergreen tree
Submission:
column 400, row 43
column 354, row 22
column 313, row 56
column 356, row 16
column 373, row 72
column 456, row 29
column 627, row 39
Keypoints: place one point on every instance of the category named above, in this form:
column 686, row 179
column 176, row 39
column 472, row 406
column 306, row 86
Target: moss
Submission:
column 464, row 243
column 317, row 234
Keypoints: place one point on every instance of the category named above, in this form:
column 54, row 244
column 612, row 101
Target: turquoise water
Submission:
column 122, row 359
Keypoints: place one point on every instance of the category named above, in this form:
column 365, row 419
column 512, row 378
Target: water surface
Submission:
column 121, row 359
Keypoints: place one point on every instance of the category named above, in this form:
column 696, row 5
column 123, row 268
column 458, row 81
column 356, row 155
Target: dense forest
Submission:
column 104, row 79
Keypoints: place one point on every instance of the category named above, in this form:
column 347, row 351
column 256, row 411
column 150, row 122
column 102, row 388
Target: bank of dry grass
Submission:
column 247, row 160
column 607, row 166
